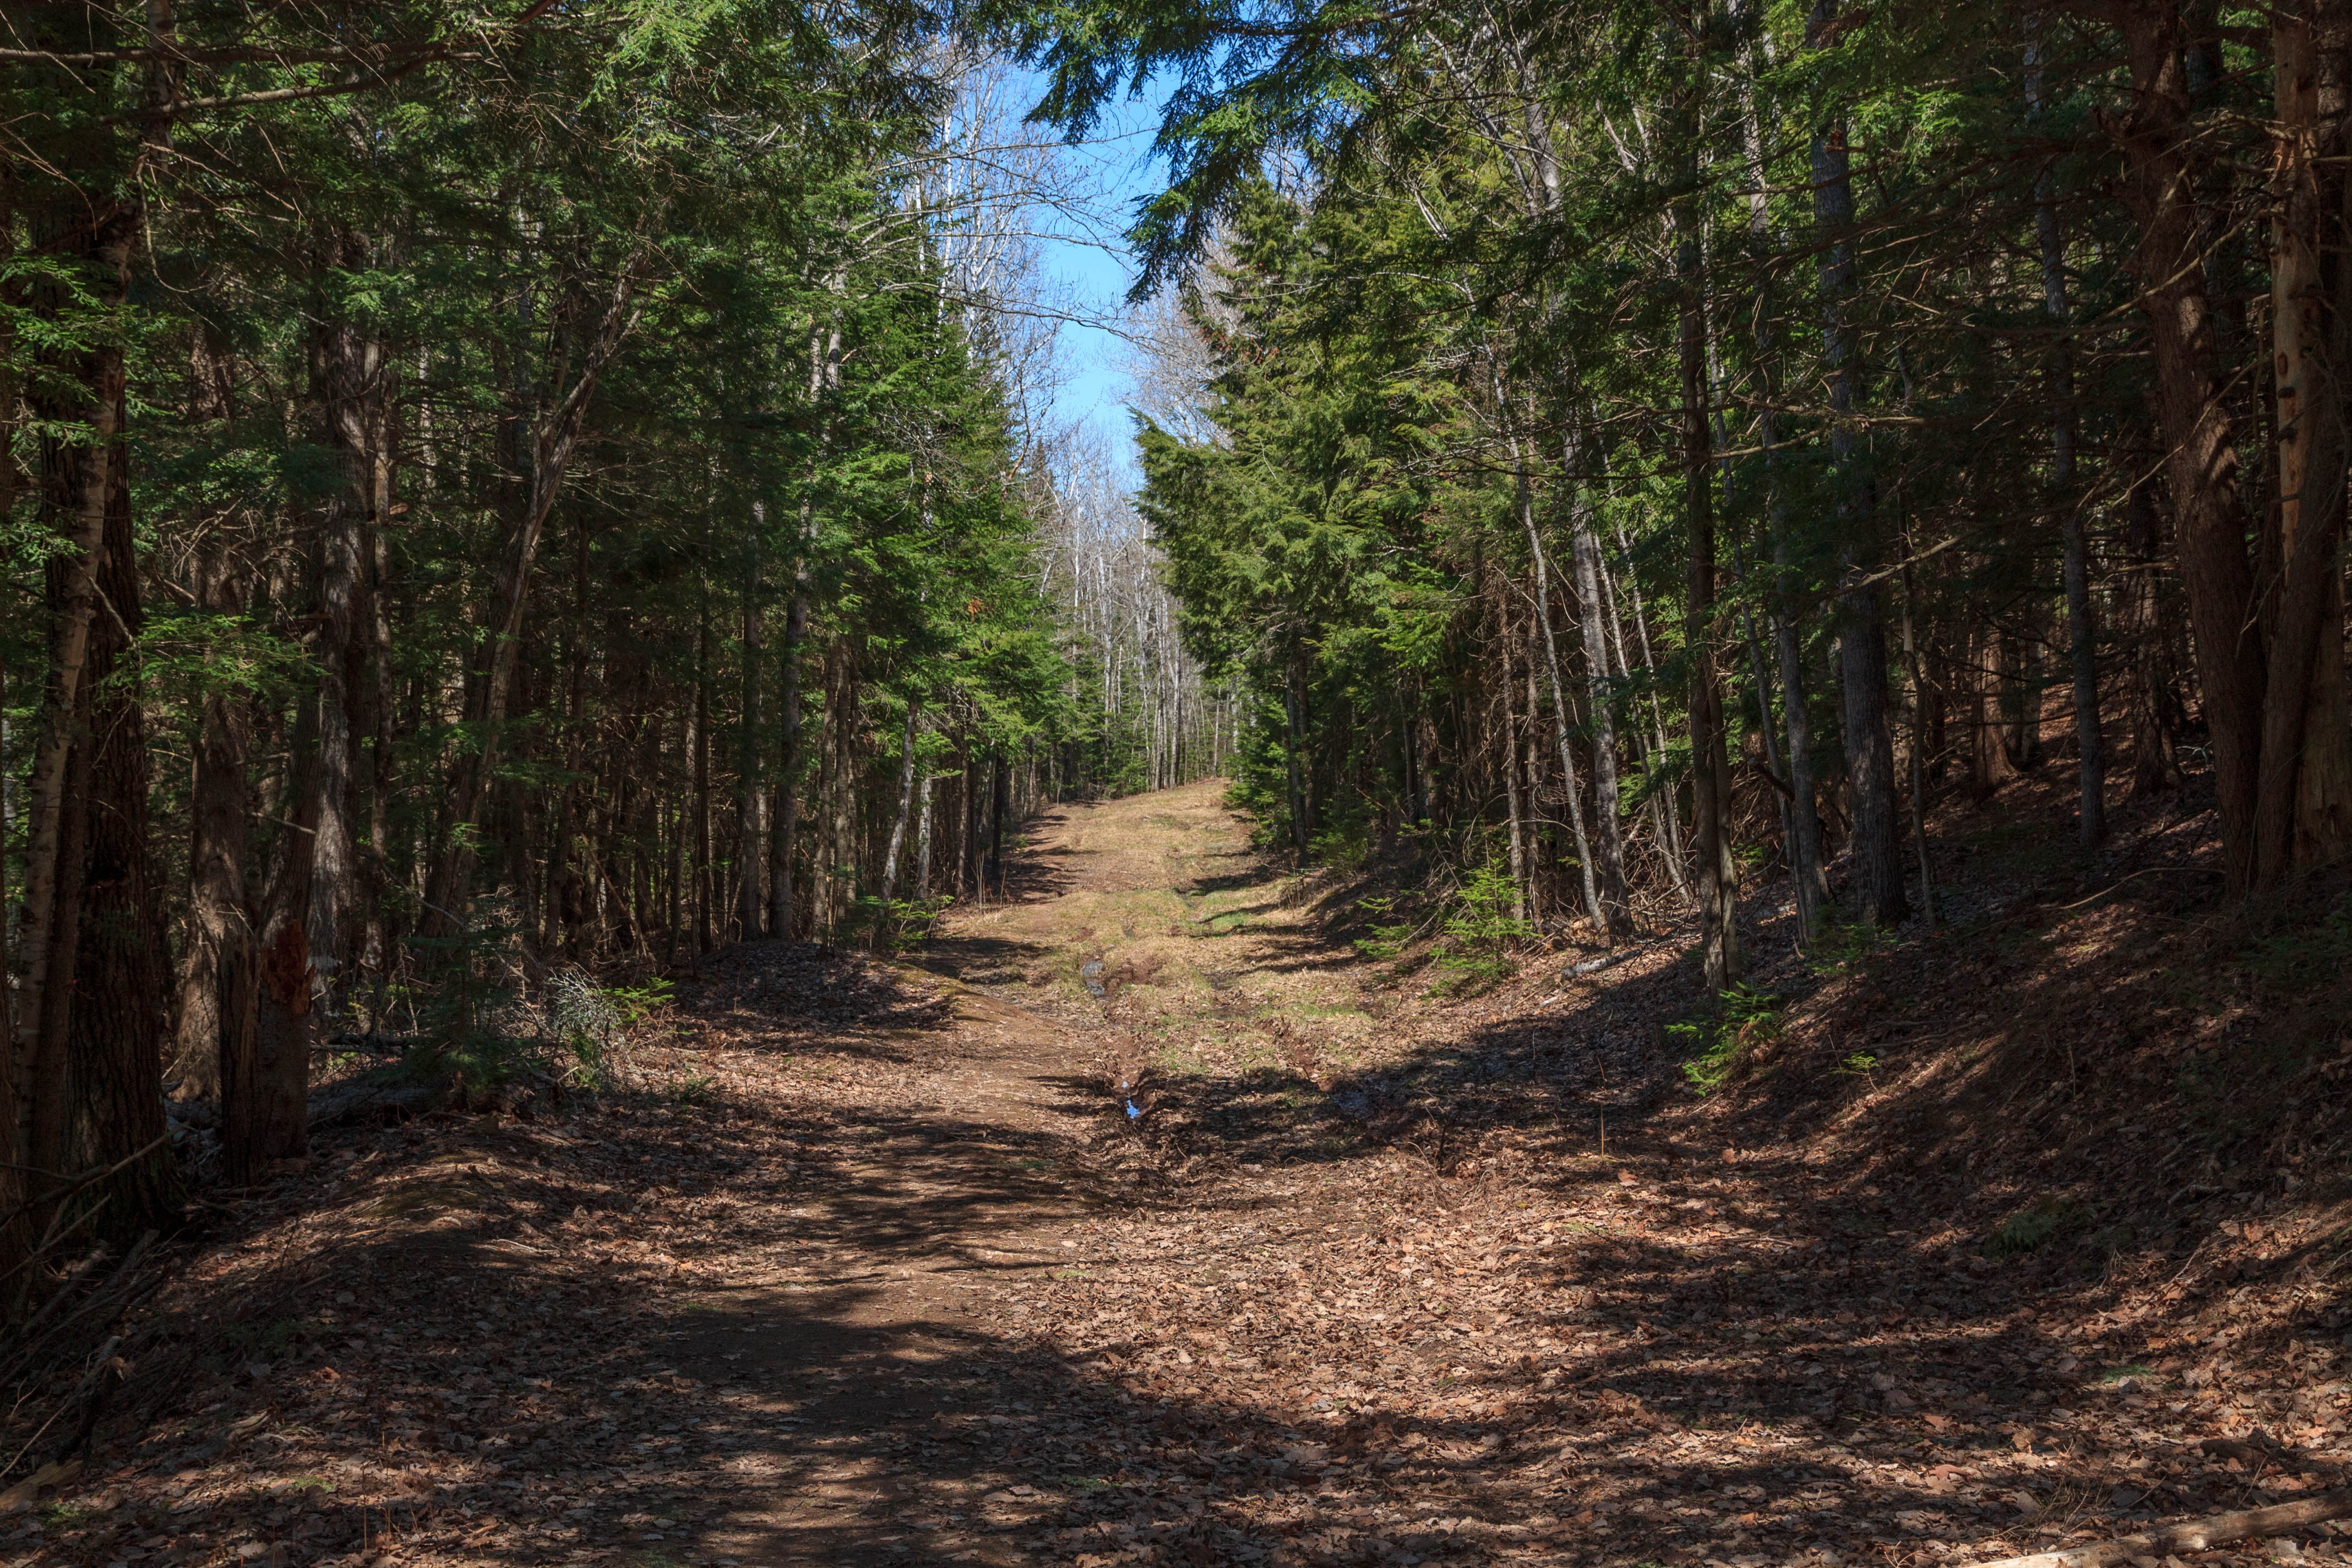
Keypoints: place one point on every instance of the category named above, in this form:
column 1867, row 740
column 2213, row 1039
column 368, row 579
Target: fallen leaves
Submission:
column 896, row 1273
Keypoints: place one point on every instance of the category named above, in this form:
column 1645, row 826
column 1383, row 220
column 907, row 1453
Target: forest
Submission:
column 1638, row 440
column 494, row 494
column 513, row 513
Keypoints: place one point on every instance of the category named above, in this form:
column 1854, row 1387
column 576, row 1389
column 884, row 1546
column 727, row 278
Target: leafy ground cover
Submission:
column 868, row 1262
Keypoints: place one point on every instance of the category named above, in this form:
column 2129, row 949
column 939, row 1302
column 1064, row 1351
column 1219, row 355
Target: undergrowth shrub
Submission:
column 1837, row 944
column 900, row 925
column 1481, row 932
column 1721, row 1047
column 592, row 1024
column 1388, row 937
column 2028, row 1229
column 2306, row 952
column 580, row 1034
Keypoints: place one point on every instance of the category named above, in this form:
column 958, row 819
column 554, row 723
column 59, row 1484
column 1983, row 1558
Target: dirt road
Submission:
column 1139, row 1223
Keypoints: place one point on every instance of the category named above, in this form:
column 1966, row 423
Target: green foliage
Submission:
column 633, row 1004
column 1296, row 545
column 273, row 1339
column 185, row 656
column 1838, row 945
column 1721, row 1047
column 2236, row 1092
column 731, row 186
column 1342, row 847
column 1448, row 340
column 589, row 1024
column 579, row 1033
column 452, row 1019
column 1481, row 930
column 900, row 925
column 2304, row 953
column 1387, row 938
column 2029, row 1229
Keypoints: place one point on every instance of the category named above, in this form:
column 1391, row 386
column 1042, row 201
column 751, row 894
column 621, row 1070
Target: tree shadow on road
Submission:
column 785, row 1327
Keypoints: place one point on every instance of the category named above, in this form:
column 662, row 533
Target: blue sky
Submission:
column 1097, row 389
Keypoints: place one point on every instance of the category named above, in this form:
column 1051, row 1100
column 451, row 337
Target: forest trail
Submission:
column 872, row 1266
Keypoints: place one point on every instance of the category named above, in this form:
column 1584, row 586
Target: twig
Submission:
column 107, row 1295
column 102, row 1379
column 49, row 1240
column 64, row 1287
column 2150, row 871
column 57, row 1230
column 79, row 1183
column 2196, row 1535
column 34, row 1439
column 2095, row 898
column 89, row 1392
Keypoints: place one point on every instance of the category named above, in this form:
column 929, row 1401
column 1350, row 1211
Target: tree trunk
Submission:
column 1919, row 752
column 968, row 824
column 2026, row 679
column 2323, row 801
column 1663, row 811
column 702, row 871
column 905, row 807
column 345, row 367
column 375, row 956
column 122, row 967
column 563, row 920
column 674, row 894
column 1416, row 770
column 216, row 974
column 823, row 377
column 1601, row 919
column 216, row 970
column 555, row 436
column 1812, row 888
column 923, row 840
column 1001, row 802
column 49, row 1085
column 836, row 877
column 2155, row 705
column 2160, row 187
column 1511, row 769
column 84, row 389
column 1876, row 854
column 1610, row 870
column 2303, row 813
column 1988, row 759
column 1719, row 870
column 788, row 771
column 1535, row 769
column 750, row 857
column 2081, row 645
column 1797, row 724
column 265, row 1101
column 1294, row 702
